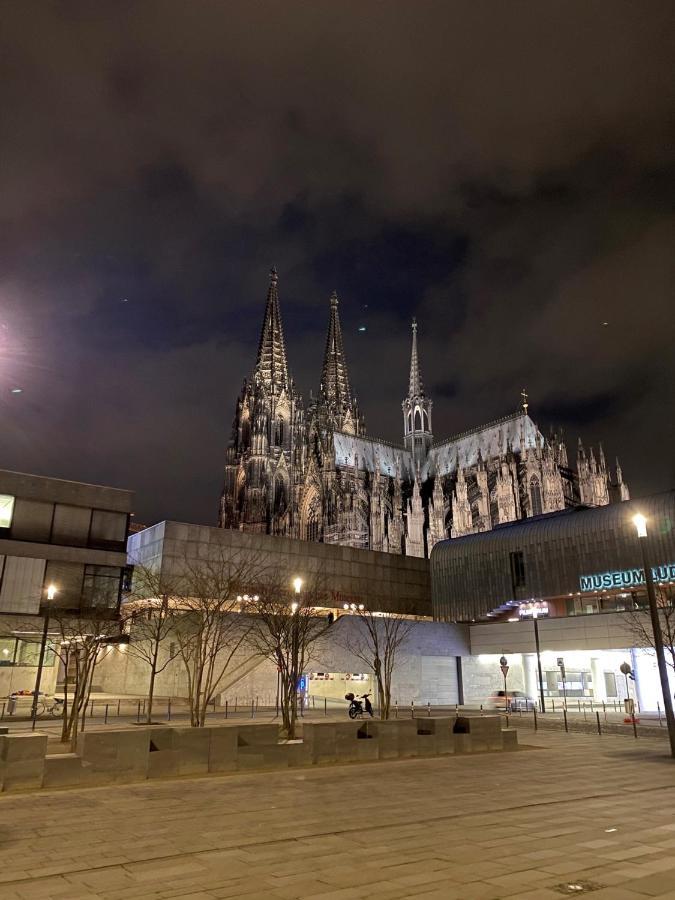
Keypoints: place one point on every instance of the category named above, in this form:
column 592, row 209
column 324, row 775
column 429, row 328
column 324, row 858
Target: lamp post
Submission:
column 640, row 523
column 538, row 649
column 51, row 593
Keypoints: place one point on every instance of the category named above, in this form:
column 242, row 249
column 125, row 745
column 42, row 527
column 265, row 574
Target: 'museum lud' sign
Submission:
column 625, row 578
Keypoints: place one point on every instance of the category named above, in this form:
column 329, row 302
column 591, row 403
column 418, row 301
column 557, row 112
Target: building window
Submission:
column 535, row 496
column 6, row 510
column 517, row 568
column 24, row 651
column 101, row 586
column 108, row 530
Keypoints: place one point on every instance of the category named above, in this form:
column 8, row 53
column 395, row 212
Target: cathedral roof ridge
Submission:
column 372, row 440
column 518, row 414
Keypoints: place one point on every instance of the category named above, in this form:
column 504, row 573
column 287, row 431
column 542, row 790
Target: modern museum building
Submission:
column 572, row 586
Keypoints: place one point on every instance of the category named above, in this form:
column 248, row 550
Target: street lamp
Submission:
column 538, row 649
column 640, row 523
column 295, row 606
column 51, row 593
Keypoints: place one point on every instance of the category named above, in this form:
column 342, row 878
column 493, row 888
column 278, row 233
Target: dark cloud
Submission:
column 502, row 171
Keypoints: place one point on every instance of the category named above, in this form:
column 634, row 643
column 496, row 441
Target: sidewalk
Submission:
column 580, row 810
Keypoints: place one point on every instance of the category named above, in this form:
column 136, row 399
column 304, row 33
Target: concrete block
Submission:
column 463, row 743
column 67, row 770
column 162, row 753
column 121, row 755
column 257, row 735
column 22, row 747
column 192, row 746
column 441, row 729
column 510, row 739
column 223, row 748
column 388, row 734
column 262, row 757
column 320, row 738
column 298, row 753
column 22, row 761
column 407, row 738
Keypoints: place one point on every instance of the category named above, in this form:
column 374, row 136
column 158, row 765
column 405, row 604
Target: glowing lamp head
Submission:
column 51, row 592
column 294, row 607
column 640, row 523
column 297, row 585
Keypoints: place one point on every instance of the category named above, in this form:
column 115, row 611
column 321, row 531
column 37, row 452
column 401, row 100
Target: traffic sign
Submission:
column 505, row 670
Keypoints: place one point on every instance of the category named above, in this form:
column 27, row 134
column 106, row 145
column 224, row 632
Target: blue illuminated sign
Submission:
column 302, row 684
column 625, row 578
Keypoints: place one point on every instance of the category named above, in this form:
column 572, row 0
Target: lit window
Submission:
column 6, row 510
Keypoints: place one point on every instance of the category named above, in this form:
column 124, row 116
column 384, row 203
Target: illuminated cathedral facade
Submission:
column 312, row 472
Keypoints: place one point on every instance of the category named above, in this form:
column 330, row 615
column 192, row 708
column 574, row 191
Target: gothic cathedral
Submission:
column 313, row 473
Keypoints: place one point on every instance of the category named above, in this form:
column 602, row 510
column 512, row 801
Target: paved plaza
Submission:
column 569, row 810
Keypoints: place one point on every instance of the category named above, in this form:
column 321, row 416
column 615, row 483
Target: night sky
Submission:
column 502, row 171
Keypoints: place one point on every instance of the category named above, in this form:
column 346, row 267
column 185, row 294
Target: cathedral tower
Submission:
column 261, row 460
column 417, row 433
column 335, row 396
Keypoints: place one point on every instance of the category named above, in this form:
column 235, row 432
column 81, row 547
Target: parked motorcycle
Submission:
column 358, row 710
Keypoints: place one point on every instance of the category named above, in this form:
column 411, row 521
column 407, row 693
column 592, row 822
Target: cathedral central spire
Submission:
column 334, row 378
column 415, row 388
column 271, row 365
column 417, row 434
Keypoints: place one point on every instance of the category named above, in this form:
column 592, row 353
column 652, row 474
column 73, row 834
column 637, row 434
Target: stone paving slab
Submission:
column 571, row 809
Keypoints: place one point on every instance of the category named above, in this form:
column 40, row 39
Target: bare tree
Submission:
column 208, row 626
column 640, row 627
column 376, row 638
column 149, row 614
column 287, row 623
column 81, row 643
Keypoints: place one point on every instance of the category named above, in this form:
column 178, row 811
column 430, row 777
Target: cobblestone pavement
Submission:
column 581, row 810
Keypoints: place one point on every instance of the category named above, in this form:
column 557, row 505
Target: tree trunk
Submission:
column 151, row 690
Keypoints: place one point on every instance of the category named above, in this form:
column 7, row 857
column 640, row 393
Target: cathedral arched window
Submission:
column 535, row 496
column 418, row 420
column 280, row 433
column 313, row 525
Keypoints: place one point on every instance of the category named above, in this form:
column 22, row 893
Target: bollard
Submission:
column 536, row 724
column 553, row 705
column 118, row 707
column 105, row 717
column 412, row 709
column 138, row 714
column 91, row 709
column 396, row 710
column 632, row 715
column 481, row 709
column 428, row 708
column 226, row 704
column 252, row 710
column 168, row 709
column 597, row 716
column 256, row 704
column 579, row 705
column 325, row 706
column 565, row 718
column 658, row 709
column 585, row 719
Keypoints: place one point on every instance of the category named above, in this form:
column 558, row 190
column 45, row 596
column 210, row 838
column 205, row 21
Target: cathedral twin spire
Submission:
column 335, row 388
column 271, row 365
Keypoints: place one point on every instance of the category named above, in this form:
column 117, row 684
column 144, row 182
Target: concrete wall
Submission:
column 608, row 631
column 426, row 669
column 136, row 754
column 382, row 581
